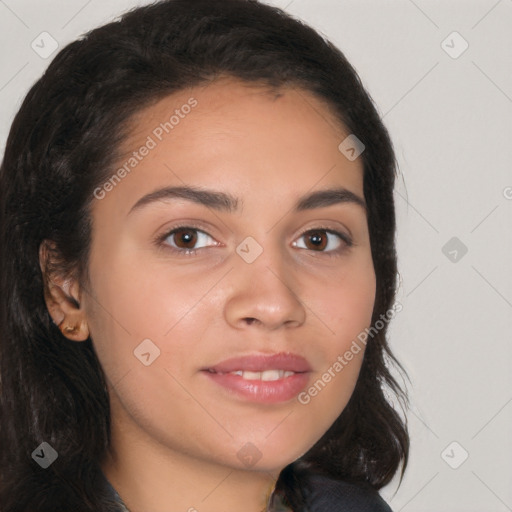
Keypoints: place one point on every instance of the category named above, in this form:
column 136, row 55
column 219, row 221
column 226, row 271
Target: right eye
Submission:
column 185, row 239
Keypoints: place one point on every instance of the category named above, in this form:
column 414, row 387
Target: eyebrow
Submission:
column 221, row 201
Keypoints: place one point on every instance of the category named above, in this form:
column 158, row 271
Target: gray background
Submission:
column 450, row 119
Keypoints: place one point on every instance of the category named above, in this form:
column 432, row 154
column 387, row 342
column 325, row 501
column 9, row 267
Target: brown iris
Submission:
column 316, row 239
column 185, row 236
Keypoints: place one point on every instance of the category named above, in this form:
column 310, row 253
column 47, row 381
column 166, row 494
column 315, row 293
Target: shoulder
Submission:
column 329, row 495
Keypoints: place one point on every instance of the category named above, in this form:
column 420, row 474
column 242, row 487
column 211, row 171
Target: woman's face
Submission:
column 210, row 354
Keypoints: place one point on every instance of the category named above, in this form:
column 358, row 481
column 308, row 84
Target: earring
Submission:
column 70, row 329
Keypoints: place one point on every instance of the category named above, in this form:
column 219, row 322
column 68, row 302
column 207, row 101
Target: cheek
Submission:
column 140, row 316
column 136, row 303
column 345, row 303
column 345, row 306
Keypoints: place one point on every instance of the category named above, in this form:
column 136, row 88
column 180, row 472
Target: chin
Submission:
column 269, row 456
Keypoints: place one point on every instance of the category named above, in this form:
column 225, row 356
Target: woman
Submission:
column 198, row 269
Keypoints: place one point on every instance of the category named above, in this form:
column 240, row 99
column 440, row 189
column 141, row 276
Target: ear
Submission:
column 62, row 296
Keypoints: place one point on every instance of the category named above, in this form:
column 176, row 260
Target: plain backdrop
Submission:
column 440, row 73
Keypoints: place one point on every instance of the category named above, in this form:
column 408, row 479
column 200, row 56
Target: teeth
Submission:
column 252, row 375
column 267, row 375
column 272, row 375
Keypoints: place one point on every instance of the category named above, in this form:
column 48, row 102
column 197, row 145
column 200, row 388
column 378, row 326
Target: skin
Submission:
column 175, row 433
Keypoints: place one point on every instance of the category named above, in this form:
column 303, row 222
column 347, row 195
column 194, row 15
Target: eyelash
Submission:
column 161, row 240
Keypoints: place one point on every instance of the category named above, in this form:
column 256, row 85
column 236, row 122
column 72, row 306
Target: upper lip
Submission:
column 261, row 362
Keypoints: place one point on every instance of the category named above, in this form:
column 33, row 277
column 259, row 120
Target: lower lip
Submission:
column 263, row 391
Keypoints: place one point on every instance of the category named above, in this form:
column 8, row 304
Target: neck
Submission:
column 148, row 476
column 189, row 489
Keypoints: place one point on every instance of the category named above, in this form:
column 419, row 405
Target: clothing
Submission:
column 330, row 495
column 326, row 495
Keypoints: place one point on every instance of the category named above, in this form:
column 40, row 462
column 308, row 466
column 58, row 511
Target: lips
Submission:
column 262, row 378
column 263, row 362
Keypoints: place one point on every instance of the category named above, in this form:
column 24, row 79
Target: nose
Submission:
column 263, row 295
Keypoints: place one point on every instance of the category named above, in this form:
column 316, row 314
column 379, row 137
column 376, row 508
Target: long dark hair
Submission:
column 62, row 145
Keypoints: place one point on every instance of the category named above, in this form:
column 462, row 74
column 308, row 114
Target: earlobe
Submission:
column 75, row 331
column 66, row 311
column 62, row 297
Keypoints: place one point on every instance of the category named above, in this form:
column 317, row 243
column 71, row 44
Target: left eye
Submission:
column 188, row 238
column 321, row 240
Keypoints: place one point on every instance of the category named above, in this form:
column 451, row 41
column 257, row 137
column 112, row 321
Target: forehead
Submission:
column 230, row 93
column 237, row 135
column 231, row 103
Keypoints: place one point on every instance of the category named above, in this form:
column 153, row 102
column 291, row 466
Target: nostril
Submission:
column 250, row 320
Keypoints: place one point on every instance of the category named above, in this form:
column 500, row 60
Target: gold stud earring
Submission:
column 70, row 329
